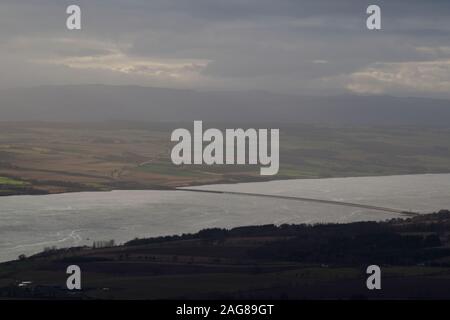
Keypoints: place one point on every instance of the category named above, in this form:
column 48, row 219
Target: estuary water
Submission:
column 28, row 224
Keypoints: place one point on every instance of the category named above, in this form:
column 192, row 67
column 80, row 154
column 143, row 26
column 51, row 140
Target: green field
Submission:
column 11, row 182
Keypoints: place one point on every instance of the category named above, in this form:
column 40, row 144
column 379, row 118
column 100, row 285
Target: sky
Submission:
column 319, row 47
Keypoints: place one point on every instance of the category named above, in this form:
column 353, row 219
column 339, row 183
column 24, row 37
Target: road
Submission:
column 332, row 202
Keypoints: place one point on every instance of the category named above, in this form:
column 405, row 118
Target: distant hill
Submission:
column 100, row 103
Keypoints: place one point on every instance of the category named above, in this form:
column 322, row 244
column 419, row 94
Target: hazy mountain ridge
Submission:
column 101, row 102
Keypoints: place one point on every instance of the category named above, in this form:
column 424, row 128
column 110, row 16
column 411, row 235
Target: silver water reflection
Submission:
column 30, row 223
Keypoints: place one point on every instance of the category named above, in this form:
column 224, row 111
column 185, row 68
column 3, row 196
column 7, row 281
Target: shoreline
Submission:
column 175, row 235
column 38, row 192
column 261, row 190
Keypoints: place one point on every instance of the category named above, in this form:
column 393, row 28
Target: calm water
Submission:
column 30, row 223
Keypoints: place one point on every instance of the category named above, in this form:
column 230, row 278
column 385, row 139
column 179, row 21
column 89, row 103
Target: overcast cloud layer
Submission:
column 294, row 46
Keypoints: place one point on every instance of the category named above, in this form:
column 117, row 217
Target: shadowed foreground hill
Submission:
column 270, row 262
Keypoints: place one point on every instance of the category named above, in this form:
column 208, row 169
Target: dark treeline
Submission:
column 419, row 240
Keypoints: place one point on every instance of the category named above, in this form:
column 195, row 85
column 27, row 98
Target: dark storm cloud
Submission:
column 316, row 46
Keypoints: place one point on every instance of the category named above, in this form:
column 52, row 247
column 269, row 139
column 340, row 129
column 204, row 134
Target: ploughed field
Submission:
column 40, row 158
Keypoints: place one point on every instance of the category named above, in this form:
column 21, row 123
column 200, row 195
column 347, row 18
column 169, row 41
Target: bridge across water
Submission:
column 331, row 202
